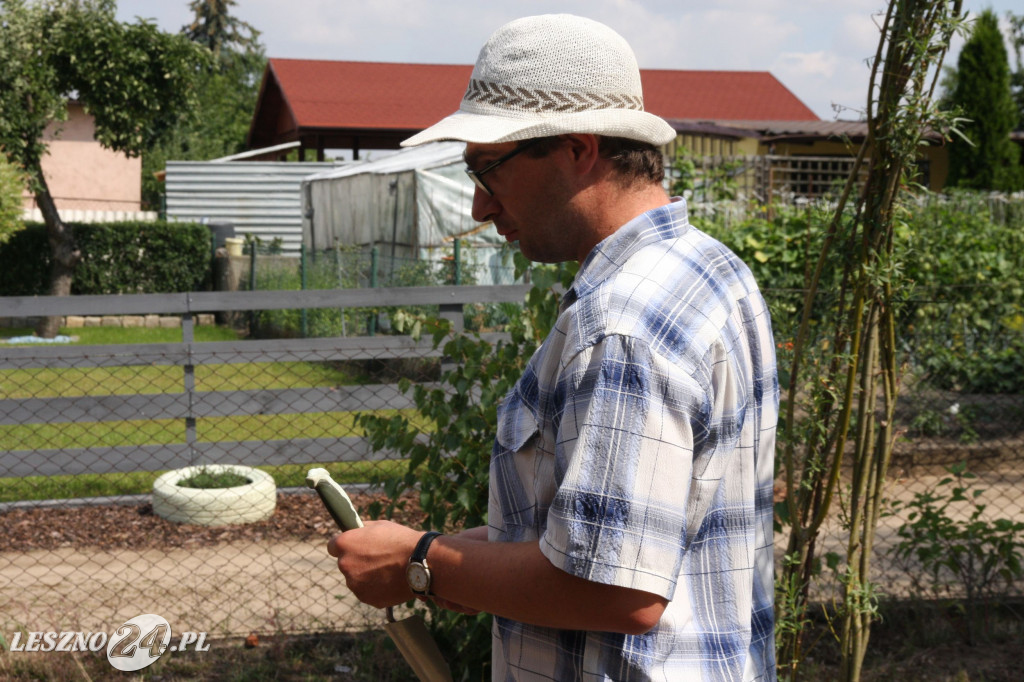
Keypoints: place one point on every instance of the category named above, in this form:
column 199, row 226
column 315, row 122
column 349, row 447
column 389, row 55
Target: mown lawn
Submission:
column 156, row 379
column 141, row 482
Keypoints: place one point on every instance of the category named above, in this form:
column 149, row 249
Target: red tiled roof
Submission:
column 721, row 96
column 300, row 97
column 376, row 94
column 329, row 94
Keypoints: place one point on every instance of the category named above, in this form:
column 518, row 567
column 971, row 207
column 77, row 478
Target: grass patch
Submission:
column 148, row 379
column 82, row 485
column 169, row 431
column 141, row 482
column 92, row 336
column 208, row 480
column 20, row 384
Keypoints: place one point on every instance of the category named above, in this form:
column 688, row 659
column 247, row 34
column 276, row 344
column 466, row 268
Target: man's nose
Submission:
column 485, row 206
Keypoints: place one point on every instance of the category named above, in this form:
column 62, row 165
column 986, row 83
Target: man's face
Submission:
column 531, row 201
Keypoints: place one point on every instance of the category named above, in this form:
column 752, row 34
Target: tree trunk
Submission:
column 64, row 255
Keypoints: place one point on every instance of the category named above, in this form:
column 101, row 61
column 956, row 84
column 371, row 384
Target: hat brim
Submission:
column 467, row 126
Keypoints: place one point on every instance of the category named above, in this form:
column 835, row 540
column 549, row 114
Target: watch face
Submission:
column 418, row 577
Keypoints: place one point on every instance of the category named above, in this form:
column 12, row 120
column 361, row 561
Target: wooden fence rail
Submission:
column 190, row 404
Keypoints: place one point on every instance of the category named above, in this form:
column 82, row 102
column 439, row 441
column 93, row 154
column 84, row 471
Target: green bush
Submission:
column 780, row 246
column 449, row 460
column 117, row 258
column 12, row 183
column 350, row 268
column 25, row 263
column 948, row 543
column 962, row 321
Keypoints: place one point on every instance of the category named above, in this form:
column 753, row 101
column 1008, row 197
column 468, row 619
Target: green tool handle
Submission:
column 335, row 500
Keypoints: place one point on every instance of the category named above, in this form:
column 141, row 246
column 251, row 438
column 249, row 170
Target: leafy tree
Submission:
column 220, row 32
column 135, row 81
column 227, row 93
column 991, row 161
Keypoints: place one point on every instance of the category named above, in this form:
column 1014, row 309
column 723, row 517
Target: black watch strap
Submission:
column 420, row 553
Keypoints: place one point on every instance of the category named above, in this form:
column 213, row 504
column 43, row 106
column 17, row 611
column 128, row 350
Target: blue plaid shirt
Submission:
column 638, row 449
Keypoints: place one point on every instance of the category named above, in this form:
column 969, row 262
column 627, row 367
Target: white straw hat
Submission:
column 550, row 75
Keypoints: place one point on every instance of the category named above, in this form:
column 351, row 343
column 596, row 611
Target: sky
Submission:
column 816, row 48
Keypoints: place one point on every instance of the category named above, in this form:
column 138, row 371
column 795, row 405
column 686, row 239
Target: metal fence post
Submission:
column 188, row 338
column 371, row 323
column 304, row 317
column 252, row 283
column 340, row 284
column 458, row 262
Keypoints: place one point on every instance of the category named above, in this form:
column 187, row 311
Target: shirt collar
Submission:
column 665, row 222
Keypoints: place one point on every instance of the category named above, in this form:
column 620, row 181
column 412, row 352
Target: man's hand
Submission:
column 373, row 560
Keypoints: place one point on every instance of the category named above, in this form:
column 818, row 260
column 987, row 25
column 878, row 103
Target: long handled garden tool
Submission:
column 410, row 635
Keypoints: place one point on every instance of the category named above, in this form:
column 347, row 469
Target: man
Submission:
column 630, row 519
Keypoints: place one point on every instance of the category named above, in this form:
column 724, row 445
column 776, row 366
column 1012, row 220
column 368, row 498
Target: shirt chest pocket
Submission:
column 523, row 478
column 517, row 423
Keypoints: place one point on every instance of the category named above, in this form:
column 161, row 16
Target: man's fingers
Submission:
column 332, row 546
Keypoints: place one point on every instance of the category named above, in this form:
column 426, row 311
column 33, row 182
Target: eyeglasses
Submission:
column 477, row 175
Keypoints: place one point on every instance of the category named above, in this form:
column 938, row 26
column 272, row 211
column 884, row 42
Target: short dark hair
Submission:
column 635, row 162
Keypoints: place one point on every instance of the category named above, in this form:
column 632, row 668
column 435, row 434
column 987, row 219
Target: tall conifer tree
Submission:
column 983, row 96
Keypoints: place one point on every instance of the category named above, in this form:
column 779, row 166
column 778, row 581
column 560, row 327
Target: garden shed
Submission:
column 411, row 205
column 259, row 198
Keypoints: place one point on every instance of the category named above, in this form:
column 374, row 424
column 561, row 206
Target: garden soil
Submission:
column 91, row 568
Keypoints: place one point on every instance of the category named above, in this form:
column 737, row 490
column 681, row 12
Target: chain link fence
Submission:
column 106, row 452
column 93, row 530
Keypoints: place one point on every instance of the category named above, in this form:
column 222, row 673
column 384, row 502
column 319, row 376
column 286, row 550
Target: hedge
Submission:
column 117, row 258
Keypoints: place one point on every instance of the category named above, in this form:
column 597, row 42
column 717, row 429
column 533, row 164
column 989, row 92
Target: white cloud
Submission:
column 816, row 48
column 806, row 64
column 858, row 34
column 708, row 39
column 824, row 79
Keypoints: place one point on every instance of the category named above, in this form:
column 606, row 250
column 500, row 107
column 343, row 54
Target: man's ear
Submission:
column 584, row 150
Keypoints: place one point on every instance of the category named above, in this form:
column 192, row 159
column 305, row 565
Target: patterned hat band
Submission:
column 546, row 101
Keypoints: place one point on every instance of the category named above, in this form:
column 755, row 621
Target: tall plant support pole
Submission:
column 858, row 379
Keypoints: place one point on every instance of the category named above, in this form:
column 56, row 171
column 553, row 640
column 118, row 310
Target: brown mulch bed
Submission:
column 298, row 516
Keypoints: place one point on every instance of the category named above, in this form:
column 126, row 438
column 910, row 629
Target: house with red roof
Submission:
column 373, row 105
column 319, row 105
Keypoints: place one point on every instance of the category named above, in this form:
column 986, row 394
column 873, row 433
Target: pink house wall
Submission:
column 82, row 174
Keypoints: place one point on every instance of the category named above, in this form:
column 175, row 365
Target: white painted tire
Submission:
column 248, row 503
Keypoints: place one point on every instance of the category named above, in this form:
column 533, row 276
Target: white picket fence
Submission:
column 91, row 216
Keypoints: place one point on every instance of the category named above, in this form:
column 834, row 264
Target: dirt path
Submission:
column 282, row 584
column 227, row 589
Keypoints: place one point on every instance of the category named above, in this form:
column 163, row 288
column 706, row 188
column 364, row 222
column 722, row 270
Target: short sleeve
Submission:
column 626, row 441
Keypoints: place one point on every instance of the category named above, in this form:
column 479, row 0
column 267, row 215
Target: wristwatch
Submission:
column 417, row 573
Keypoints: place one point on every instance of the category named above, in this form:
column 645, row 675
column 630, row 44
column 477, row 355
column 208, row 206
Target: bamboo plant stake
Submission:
column 859, row 379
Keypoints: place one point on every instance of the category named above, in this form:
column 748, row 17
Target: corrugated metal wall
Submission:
column 260, row 198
